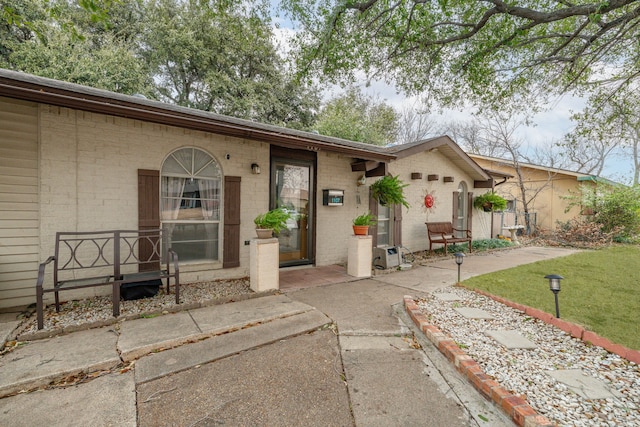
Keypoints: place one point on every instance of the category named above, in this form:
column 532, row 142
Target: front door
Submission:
column 292, row 189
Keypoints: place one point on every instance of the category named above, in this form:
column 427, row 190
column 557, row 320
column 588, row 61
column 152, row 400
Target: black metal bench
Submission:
column 106, row 258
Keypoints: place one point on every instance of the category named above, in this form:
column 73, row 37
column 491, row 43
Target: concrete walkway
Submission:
column 342, row 354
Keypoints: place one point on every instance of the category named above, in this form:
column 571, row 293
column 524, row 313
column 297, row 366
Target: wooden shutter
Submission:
column 148, row 199
column 397, row 225
column 148, row 213
column 454, row 214
column 469, row 210
column 373, row 208
column 231, row 242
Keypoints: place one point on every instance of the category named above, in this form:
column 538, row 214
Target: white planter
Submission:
column 264, row 233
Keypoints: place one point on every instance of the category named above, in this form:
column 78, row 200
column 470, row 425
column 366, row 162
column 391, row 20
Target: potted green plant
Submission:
column 362, row 222
column 489, row 202
column 271, row 222
column 389, row 190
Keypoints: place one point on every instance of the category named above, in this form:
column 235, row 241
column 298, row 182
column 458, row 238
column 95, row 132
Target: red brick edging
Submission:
column 574, row 330
column 514, row 406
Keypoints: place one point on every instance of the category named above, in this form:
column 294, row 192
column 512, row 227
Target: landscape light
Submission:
column 459, row 258
column 554, row 286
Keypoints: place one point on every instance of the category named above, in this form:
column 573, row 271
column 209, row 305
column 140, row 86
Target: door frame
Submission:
column 299, row 158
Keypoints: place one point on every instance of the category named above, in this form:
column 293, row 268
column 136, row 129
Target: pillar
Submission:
column 264, row 268
column 360, row 256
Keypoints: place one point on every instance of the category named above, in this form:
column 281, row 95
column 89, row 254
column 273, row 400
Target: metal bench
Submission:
column 443, row 232
column 106, row 258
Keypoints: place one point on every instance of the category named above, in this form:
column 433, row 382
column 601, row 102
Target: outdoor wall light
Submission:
column 255, row 168
column 554, row 286
column 459, row 258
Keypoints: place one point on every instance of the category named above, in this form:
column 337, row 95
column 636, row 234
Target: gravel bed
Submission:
column 97, row 311
column 521, row 371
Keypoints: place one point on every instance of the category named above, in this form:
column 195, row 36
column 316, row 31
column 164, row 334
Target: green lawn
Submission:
column 600, row 290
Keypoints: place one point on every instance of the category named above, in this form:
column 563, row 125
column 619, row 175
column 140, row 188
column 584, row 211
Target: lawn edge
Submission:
column 572, row 329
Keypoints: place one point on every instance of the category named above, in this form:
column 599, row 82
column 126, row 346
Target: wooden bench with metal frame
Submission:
column 106, row 258
column 443, row 232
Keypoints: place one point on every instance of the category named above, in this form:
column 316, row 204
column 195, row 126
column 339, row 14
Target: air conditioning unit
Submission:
column 386, row 257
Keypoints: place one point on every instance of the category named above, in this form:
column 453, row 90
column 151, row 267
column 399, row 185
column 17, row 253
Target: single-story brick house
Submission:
column 76, row 158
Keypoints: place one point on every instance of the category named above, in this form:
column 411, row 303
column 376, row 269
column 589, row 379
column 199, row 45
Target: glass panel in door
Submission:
column 291, row 187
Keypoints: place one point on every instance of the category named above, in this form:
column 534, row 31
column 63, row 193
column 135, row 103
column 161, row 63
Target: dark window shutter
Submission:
column 231, row 242
column 454, row 214
column 397, row 225
column 373, row 208
column 148, row 212
column 469, row 210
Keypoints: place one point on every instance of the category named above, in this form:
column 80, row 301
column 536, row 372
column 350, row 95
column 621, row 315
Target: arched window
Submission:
column 190, row 203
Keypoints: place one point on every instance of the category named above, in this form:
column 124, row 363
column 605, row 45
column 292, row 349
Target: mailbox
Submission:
column 333, row 197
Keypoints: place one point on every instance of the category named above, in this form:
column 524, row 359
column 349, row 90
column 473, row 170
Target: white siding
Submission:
column 19, row 225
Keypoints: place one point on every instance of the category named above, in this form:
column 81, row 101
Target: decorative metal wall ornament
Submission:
column 429, row 201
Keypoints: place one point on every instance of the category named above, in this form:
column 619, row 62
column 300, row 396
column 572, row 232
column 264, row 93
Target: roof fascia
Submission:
column 506, row 162
column 35, row 89
column 433, row 143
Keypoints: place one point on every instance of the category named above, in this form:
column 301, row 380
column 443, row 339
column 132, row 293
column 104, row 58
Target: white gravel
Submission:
column 93, row 312
column 522, row 372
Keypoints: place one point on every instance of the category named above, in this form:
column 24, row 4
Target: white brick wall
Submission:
column 414, row 233
column 88, row 181
column 334, row 222
column 88, row 176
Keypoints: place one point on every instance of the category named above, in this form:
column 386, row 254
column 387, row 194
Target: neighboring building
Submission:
column 547, row 188
column 79, row 159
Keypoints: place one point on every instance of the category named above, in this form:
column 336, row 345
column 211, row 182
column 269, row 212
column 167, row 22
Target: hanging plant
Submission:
column 489, row 202
column 389, row 190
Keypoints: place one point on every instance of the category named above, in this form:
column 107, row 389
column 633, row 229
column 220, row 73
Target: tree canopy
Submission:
column 610, row 121
column 222, row 59
column 358, row 117
column 217, row 56
column 457, row 49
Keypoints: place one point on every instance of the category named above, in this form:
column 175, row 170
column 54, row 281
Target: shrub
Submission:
column 479, row 245
column 615, row 208
column 619, row 212
column 583, row 233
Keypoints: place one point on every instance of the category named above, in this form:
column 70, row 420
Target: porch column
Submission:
column 264, row 268
column 360, row 256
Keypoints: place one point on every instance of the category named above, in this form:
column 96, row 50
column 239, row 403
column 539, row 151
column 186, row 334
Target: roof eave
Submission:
column 192, row 119
column 476, row 172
